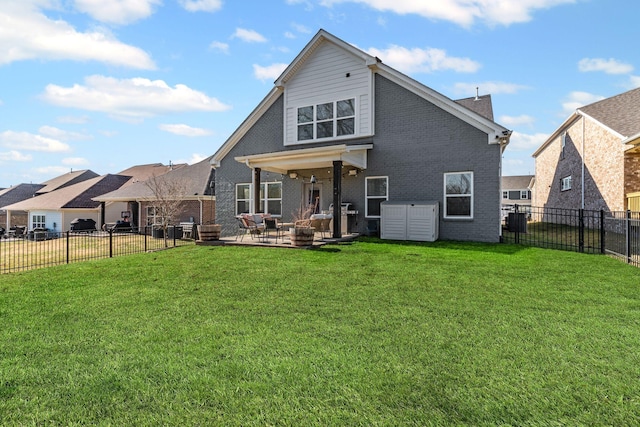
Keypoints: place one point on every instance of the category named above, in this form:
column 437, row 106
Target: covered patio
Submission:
column 302, row 162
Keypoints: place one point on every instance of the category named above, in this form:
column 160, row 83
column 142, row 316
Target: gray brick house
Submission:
column 365, row 133
column 592, row 160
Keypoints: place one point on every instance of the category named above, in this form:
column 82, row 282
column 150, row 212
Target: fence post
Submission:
column 110, row 243
column 517, row 223
column 146, row 229
column 628, row 237
column 602, row 232
column 581, row 230
column 67, row 233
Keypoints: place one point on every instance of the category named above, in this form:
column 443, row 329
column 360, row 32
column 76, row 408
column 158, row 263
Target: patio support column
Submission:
column 256, row 190
column 337, row 199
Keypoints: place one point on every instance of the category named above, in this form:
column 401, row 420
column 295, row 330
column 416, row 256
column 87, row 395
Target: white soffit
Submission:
column 309, row 158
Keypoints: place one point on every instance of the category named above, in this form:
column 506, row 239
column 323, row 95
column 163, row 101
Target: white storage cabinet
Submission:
column 417, row 221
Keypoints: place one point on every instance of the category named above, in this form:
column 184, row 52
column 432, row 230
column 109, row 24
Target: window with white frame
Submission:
column 505, row 194
column 565, row 183
column 154, row 215
column 376, row 192
column 38, row 221
column 327, row 120
column 270, row 196
column 458, row 195
column 524, row 194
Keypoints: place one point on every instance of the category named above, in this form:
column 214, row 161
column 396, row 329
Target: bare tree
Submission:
column 167, row 197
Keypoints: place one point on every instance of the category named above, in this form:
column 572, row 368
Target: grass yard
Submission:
column 24, row 254
column 369, row 333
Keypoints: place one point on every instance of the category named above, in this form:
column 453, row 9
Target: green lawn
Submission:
column 369, row 333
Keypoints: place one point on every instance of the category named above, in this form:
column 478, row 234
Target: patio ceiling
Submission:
column 309, row 158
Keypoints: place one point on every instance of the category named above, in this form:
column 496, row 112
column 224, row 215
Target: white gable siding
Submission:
column 323, row 78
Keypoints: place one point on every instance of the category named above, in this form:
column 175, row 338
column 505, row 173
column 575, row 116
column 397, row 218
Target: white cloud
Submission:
column 184, row 130
column 201, row 5
column 63, row 135
column 52, row 170
column 196, row 158
column 578, row 99
column 289, row 35
column 30, row 142
column 524, row 142
column 249, row 36
column 26, row 33
column 418, row 60
column 462, row 12
column 270, row 72
column 634, row 81
column 609, row 66
column 15, row 156
column 522, row 120
column 134, row 98
column 469, row 89
column 75, row 120
column 75, row 161
column 300, row 28
column 117, row 11
column 219, row 46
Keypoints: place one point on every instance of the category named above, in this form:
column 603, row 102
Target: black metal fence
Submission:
column 45, row 248
column 580, row 230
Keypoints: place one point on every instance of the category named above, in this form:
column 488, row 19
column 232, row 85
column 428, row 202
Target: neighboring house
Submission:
column 366, row 133
column 12, row 195
column 56, row 209
column 516, row 190
column 22, row 192
column 592, row 160
column 67, row 179
column 115, row 210
column 190, row 183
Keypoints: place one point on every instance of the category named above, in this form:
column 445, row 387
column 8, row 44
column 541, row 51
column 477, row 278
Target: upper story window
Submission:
column 565, row 183
column 327, row 120
column 505, row 194
column 524, row 194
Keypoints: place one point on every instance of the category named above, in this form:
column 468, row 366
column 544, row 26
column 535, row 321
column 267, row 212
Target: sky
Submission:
column 109, row 84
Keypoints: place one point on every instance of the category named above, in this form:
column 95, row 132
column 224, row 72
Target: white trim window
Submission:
column 376, row 192
column 524, row 194
column 327, row 120
column 272, row 197
column 458, row 195
column 38, row 221
column 565, row 183
column 505, row 194
column 154, row 215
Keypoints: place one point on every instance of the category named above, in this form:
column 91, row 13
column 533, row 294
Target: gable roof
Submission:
column 196, row 179
column 496, row 133
column 144, row 172
column 619, row 114
column 517, row 182
column 480, row 104
column 67, row 179
column 76, row 196
column 18, row 193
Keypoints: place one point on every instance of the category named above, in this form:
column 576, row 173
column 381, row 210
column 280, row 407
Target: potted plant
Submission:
column 301, row 234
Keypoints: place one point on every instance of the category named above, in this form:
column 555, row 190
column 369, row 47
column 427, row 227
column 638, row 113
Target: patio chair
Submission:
column 271, row 224
column 321, row 223
column 243, row 228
